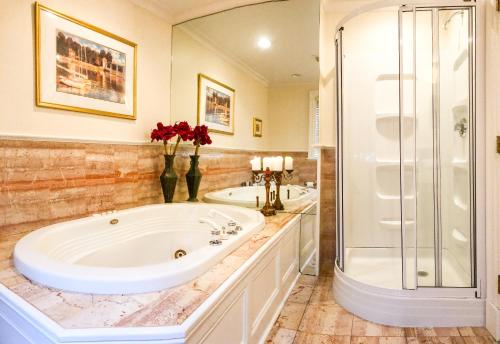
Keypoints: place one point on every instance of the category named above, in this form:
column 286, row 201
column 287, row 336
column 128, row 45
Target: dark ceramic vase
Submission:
column 168, row 179
column 193, row 178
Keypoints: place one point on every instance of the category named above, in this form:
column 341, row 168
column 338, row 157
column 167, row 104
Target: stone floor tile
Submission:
column 291, row 315
column 311, row 338
column 326, row 319
column 473, row 331
column 377, row 340
column 432, row 332
column 307, row 280
column 301, row 293
column 435, row 340
column 323, row 291
column 280, row 335
column 363, row 328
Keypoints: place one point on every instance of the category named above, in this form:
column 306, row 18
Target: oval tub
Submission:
column 246, row 196
column 131, row 251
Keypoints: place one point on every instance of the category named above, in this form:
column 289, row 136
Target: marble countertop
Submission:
column 168, row 307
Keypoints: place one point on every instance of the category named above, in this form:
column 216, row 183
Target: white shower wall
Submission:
column 371, row 161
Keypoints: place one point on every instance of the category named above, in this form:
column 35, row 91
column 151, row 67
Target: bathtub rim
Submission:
column 70, row 277
column 213, row 198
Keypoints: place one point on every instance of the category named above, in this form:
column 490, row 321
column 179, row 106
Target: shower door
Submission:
column 437, row 56
column 406, row 100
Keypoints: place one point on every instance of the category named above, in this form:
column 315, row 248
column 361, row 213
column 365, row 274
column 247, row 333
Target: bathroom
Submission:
column 213, row 171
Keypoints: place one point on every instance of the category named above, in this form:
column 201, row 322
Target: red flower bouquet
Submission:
column 201, row 137
column 163, row 133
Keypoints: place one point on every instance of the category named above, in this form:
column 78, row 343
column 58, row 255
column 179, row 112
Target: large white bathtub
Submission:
column 131, row 251
column 246, row 196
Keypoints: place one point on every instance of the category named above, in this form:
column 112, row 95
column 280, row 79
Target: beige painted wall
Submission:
column 190, row 57
column 289, row 116
column 492, row 164
column 19, row 115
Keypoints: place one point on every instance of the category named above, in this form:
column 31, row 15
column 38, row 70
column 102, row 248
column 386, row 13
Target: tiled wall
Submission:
column 327, row 215
column 44, row 182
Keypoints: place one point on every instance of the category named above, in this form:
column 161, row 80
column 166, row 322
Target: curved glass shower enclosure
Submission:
column 406, row 147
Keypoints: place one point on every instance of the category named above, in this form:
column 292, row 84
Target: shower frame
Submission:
column 476, row 153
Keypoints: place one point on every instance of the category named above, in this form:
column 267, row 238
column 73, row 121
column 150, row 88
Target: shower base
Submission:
column 381, row 267
column 371, row 289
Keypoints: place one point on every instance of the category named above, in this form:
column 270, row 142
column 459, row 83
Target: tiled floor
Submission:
column 311, row 316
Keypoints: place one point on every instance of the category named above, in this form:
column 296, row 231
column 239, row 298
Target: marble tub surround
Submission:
column 327, row 209
column 44, row 182
column 165, row 308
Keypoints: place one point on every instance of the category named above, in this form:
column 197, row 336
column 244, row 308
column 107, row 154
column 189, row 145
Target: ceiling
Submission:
column 292, row 26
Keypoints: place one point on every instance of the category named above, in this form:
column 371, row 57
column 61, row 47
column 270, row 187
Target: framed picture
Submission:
column 257, row 127
column 82, row 68
column 215, row 105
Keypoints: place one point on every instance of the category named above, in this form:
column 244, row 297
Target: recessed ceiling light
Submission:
column 264, row 43
column 296, row 75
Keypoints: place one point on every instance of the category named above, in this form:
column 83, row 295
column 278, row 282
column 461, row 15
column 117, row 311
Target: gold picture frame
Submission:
column 97, row 104
column 210, row 92
column 257, row 127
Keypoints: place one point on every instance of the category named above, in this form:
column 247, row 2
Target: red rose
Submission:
column 200, row 136
column 183, row 129
column 163, row 133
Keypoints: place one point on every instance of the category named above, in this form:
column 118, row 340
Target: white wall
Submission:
column 190, row 57
column 19, row 115
column 492, row 165
column 289, row 116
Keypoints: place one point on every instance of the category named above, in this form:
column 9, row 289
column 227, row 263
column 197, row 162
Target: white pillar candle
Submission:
column 256, row 164
column 267, row 163
column 288, row 163
column 278, row 164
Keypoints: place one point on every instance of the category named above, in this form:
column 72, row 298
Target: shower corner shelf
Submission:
column 395, row 224
column 386, row 197
column 460, row 163
column 461, row 58
column 388, row 116
column 393, row 77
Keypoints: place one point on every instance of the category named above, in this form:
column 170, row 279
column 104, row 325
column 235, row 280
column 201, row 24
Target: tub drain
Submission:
column 423, row 274
column 179, row 253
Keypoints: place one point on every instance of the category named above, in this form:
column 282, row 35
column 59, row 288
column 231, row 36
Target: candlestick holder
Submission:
column 267, row 176
column 278, row 179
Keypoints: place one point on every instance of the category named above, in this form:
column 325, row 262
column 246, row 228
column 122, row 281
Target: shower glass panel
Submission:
column 454, row 141
column 405, row 99
column 370, row 149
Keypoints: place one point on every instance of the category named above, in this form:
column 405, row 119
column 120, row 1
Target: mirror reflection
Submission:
column 251, row 75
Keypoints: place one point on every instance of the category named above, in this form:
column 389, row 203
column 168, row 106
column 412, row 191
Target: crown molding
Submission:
column 214, row 7
column 159, row 8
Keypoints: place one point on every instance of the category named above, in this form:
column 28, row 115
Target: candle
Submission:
column 256, row 164
column 267, row 163
column 278, row 164
column 288, row 163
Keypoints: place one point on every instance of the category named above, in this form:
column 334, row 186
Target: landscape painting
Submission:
column 83, row 68
column 218, row 107
column 88, row 69
column 215, row 105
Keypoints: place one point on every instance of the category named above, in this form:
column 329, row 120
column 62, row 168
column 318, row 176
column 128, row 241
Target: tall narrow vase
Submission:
column 168, row 178
column 193, row 178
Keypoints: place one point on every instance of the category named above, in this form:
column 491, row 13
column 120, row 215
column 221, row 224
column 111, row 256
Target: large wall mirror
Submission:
column 252, row 74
